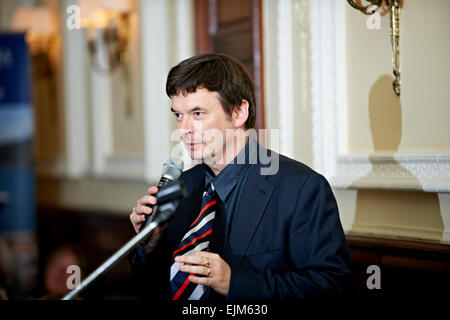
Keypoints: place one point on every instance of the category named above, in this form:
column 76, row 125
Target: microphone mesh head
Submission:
column 173, row 168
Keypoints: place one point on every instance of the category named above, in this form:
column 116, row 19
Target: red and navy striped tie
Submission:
column 196, row 239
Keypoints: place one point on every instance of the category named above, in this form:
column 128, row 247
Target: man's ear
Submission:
column 240, row 114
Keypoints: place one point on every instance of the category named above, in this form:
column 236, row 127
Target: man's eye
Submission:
column 198, row 113
column 177, row 116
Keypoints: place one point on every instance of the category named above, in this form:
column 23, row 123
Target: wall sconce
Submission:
column 107, row 25
column 393, row 6
column 40, row 25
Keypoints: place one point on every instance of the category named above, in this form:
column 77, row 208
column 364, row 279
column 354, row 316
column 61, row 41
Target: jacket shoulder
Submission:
column 290, row 173
column 295, row 167
column 285, row 166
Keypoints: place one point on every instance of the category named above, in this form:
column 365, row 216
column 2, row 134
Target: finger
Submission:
column 137, row 218
column 143, row 210
column 206, row 281
column 133, row 214
column 147, row 200
column 200, row 270
column 152, row 190
column 193, row 259
column 207, row 255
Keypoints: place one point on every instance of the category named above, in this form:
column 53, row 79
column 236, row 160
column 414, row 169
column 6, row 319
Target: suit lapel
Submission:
column 250, row 210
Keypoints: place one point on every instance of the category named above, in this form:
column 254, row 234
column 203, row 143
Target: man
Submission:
column 274, row 234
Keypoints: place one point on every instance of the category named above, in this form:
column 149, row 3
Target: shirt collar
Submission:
column 228, row 178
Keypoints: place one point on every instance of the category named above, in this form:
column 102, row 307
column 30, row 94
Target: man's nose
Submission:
column 185, row 126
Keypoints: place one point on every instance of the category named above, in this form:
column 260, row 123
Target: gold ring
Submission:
column 207, row 264
column 209, row 271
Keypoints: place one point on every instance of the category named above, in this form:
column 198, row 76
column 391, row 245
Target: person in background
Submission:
column 56, row 275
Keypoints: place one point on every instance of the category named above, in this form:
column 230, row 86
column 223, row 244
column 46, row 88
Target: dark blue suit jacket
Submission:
column 285, row 241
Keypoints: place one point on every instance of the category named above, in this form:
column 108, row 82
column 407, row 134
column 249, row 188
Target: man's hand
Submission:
column 138, row 215
column 141, row 210
column 216, row 271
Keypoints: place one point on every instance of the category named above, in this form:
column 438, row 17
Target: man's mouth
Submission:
column 193, row 145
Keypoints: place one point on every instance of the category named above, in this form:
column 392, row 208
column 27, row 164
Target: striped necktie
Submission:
column 196, row 239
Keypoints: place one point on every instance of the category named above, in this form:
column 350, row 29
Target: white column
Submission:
column 155, row 66
column 184, row 48
column 75, row 97
column 184, row 25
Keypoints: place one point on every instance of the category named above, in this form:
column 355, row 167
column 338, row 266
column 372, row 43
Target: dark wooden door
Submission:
column 233, row 27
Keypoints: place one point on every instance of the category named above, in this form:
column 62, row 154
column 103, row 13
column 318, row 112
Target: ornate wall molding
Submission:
column 156, row 50
column 301, row 36
column 323, row 84
column 105, row 96
column 173, row 41
column 424, row 171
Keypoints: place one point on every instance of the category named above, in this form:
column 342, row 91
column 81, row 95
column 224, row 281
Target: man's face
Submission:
column 202, row 124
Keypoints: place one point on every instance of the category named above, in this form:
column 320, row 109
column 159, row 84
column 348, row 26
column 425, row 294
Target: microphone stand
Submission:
column 166, row 211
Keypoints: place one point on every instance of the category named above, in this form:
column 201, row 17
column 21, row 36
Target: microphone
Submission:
column 172, row 170
column 168, row 200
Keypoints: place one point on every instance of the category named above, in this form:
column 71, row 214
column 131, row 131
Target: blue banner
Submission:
column 14, row 69
column 17, row 185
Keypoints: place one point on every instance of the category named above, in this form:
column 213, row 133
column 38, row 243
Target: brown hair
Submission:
column 219, row 73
